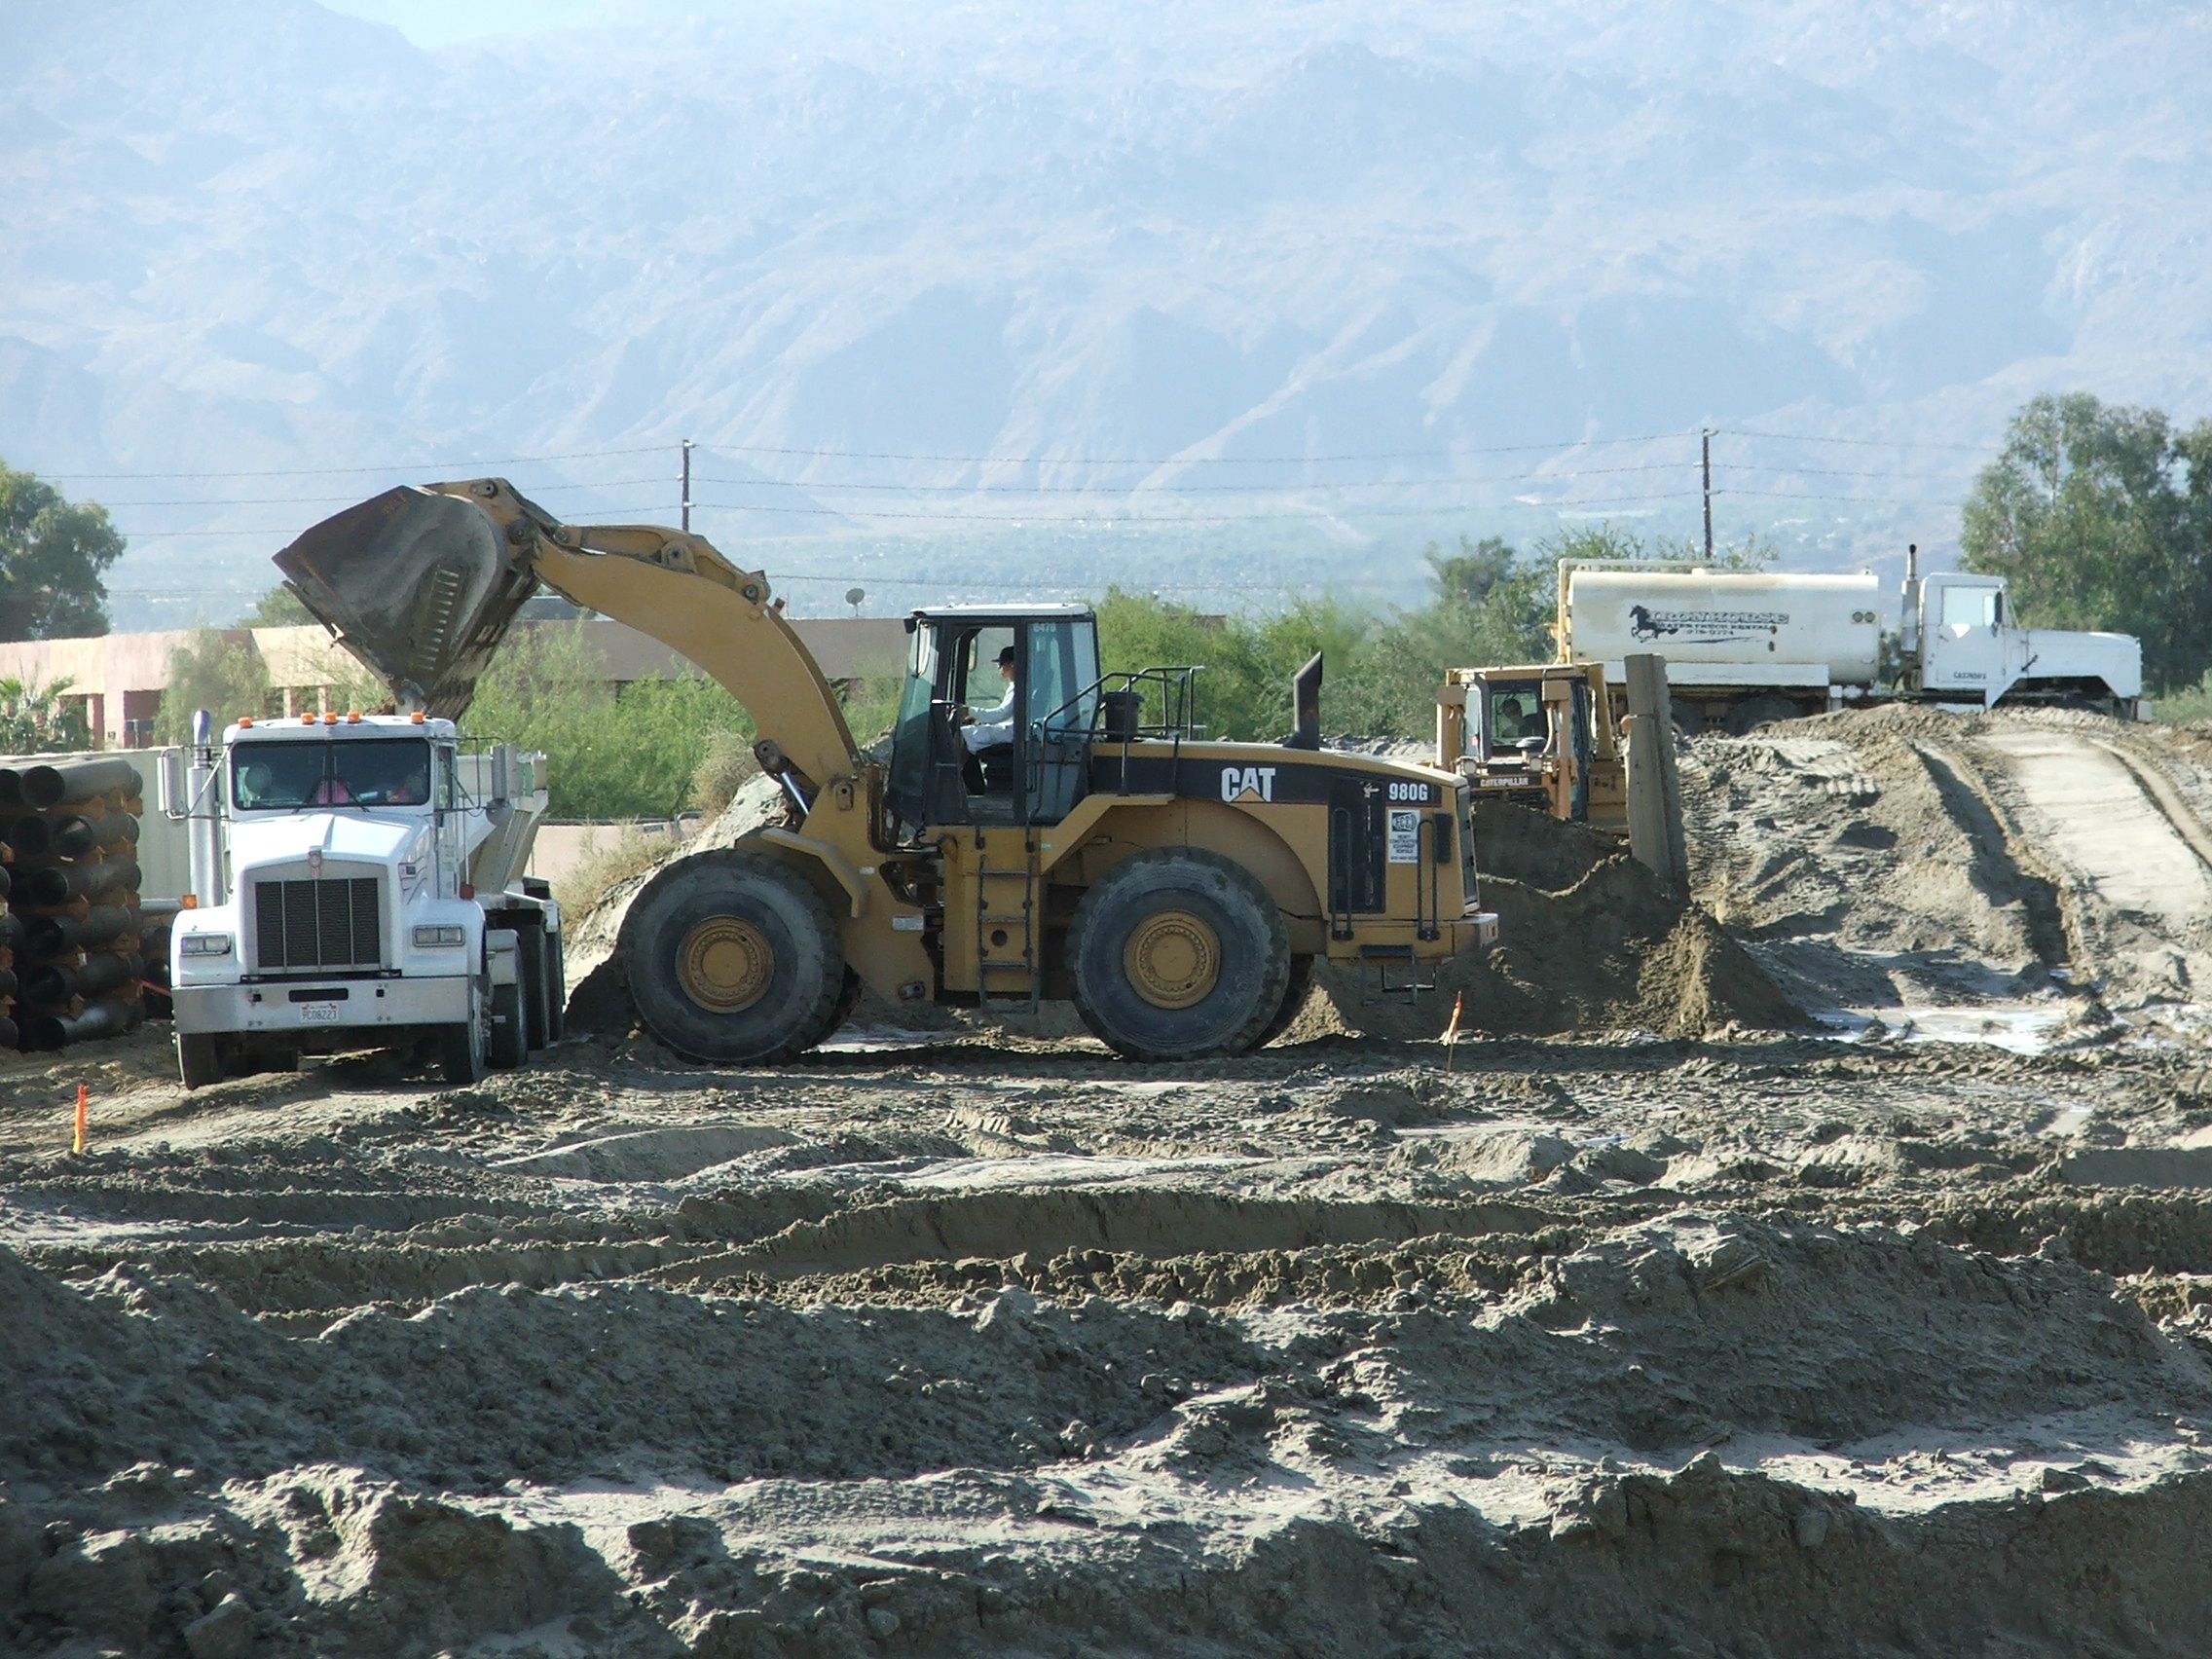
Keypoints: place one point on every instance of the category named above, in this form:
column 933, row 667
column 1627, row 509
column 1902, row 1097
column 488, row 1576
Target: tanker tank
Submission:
column 1729, row 617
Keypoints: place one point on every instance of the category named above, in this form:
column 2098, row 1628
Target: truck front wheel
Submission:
column 731, row 958
column 199, row 1058
column 463, row 1048
column 1177, row 954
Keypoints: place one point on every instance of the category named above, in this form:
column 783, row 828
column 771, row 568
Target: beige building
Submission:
column 119, row 679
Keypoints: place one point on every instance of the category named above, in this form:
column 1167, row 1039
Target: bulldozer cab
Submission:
column 1540, row 736
column 995, row 720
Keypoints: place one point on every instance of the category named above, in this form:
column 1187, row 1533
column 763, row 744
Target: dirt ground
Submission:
column 1832, row 1279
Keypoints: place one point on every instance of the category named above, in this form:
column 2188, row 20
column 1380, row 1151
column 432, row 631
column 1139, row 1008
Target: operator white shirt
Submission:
column 991, row 726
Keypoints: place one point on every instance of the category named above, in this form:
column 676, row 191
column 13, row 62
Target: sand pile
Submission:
column 1588, row 941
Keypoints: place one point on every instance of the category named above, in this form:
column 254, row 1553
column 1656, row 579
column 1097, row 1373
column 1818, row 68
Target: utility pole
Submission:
column 1705, row 444
column 687, row 497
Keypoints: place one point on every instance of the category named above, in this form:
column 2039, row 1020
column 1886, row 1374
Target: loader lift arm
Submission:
column 423, row 581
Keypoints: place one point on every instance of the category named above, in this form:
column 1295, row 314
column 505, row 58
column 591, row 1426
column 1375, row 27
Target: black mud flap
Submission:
column 419, row 586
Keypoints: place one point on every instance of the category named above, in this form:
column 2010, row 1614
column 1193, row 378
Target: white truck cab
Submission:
column 1963, row 637
column 355, row 884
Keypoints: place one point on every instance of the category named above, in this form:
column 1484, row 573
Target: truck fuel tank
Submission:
column 418, row 585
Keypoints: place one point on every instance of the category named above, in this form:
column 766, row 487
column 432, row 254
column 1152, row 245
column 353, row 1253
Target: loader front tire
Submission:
column 731, row 958
column 1178, row 954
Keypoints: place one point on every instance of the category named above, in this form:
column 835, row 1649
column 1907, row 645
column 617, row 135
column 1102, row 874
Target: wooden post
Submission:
column 1654, row 787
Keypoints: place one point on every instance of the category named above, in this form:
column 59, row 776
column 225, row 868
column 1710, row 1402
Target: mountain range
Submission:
column 963, row 298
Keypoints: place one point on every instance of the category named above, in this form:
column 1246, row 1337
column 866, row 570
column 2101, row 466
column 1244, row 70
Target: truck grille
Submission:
column 333, row 923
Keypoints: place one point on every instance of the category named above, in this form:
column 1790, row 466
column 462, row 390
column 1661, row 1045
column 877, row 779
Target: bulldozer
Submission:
column 1179, row 890
column 1540, row 736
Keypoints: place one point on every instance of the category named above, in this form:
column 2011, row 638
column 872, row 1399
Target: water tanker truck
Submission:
column 1744, row 648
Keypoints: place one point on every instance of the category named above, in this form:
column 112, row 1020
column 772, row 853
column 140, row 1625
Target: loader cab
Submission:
column 977, row 674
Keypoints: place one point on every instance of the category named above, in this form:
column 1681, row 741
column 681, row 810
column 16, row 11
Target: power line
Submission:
column 1863, row 500
column 1177, row 490
column 1103, row 517
column 1184, row 460
column 326, row 501
column 1869, row 443
column 471, row 467
column 614, row 515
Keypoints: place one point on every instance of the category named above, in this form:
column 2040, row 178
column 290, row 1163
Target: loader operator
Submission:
column 990, row 738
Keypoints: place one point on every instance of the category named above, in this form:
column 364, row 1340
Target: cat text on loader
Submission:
column 1179, row 890
column 1540, row 736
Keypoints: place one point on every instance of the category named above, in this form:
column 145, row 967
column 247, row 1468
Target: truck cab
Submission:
column 355, row 884
column 1969, row 646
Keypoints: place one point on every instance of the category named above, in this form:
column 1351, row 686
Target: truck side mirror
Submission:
column 170, row 785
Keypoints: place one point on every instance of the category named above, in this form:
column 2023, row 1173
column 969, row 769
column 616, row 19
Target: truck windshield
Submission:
column 283, row 777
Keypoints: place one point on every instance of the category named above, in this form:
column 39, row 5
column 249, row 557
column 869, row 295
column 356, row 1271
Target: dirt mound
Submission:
column 1588, row 941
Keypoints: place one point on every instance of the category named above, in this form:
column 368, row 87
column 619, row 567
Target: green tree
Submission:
column 52, row 555
column 2099, row 516
column 609, row 756
column 278, row 607
column 210, row 672
column 36, row 720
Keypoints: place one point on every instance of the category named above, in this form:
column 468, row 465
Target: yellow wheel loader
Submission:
column 1080, row 840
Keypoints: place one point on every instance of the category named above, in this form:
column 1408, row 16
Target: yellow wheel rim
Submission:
column 725, row 964
column 1173, row 959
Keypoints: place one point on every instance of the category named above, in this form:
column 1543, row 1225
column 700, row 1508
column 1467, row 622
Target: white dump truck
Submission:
column 1744, row 648
column 356, row 883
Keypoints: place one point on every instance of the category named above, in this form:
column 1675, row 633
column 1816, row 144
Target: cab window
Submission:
column 1062, row 690
column 1513, row 710
column 1966, row 608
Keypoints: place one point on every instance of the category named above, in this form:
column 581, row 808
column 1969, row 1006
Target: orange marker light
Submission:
column 352, row 717
column 307, row 720
column 190, row 901
column 245, row 720
column 417, row 716
column 330, row 719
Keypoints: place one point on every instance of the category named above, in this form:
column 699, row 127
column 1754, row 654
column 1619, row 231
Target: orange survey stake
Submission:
column 79, row 1144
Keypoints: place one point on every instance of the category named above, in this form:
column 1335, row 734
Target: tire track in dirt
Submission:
column 2002, row 864
column 2135, row 885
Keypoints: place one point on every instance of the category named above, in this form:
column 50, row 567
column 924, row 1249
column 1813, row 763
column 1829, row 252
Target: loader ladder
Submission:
column 1006, row 922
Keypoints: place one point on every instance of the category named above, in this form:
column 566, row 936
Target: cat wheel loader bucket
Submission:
column 421, row 586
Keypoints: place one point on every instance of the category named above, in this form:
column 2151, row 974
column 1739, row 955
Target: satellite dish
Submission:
column 853, row 597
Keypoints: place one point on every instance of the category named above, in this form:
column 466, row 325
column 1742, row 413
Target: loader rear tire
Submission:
column 1294, row 997
column 848, row 999
column 731, row 958
column 1178, row 954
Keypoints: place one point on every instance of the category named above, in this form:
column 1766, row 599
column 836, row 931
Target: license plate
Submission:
column 319, row 1010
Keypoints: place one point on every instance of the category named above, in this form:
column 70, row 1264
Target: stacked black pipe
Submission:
column 74, row 937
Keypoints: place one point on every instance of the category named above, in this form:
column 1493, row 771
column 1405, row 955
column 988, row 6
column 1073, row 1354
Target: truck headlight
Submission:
column 439, row 936
column 204, row 944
